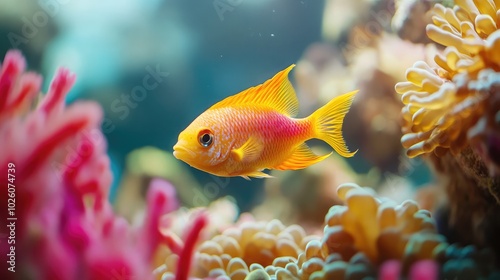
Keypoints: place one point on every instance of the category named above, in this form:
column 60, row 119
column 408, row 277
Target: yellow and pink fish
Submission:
column 255, row 130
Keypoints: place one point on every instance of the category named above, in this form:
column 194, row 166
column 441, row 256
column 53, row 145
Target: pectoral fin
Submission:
column 302, row 157
column 249, row 151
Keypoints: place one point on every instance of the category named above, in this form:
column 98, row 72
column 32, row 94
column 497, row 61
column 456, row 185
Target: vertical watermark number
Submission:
column 11, row 217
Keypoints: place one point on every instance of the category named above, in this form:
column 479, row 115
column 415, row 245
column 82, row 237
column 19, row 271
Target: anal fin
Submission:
column 302, row 157
column 256, row 174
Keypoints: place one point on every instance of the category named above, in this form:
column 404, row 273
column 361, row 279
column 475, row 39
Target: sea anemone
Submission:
column 443, row 104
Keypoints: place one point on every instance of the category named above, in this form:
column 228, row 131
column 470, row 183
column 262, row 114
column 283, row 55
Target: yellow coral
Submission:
column 247, row 247
column 362, row 234
column 376, row 230
column 443, row 103
column 358, row 236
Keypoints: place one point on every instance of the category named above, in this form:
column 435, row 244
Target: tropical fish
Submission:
column 256, row 130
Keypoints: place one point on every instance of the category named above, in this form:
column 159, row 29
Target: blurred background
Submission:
column 155, row 65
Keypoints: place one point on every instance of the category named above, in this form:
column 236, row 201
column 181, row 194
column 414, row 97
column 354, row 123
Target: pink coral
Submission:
column 421, row 270
column 186, row 255
column 65, row 227
column 424, row 270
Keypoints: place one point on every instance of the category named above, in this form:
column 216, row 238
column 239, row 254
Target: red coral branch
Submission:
column 13, row 65
column 186, row 256
column 61, row 84
column 52, row 142
column 30, row 85
column 161, row 200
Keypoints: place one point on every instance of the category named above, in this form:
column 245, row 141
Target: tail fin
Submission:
column 327, row 122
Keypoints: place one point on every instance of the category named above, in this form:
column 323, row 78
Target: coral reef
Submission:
column 369, row 236
column 451, row 112
column 65, row 228
column 443, row 104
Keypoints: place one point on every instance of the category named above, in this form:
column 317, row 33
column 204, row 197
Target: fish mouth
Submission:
column 180, row 150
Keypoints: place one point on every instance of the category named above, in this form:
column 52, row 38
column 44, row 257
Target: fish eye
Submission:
column 206, row 138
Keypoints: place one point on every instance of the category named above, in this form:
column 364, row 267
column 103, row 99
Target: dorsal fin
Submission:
column 276, row 92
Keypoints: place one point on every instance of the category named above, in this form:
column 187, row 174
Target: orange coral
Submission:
column 444, row 103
